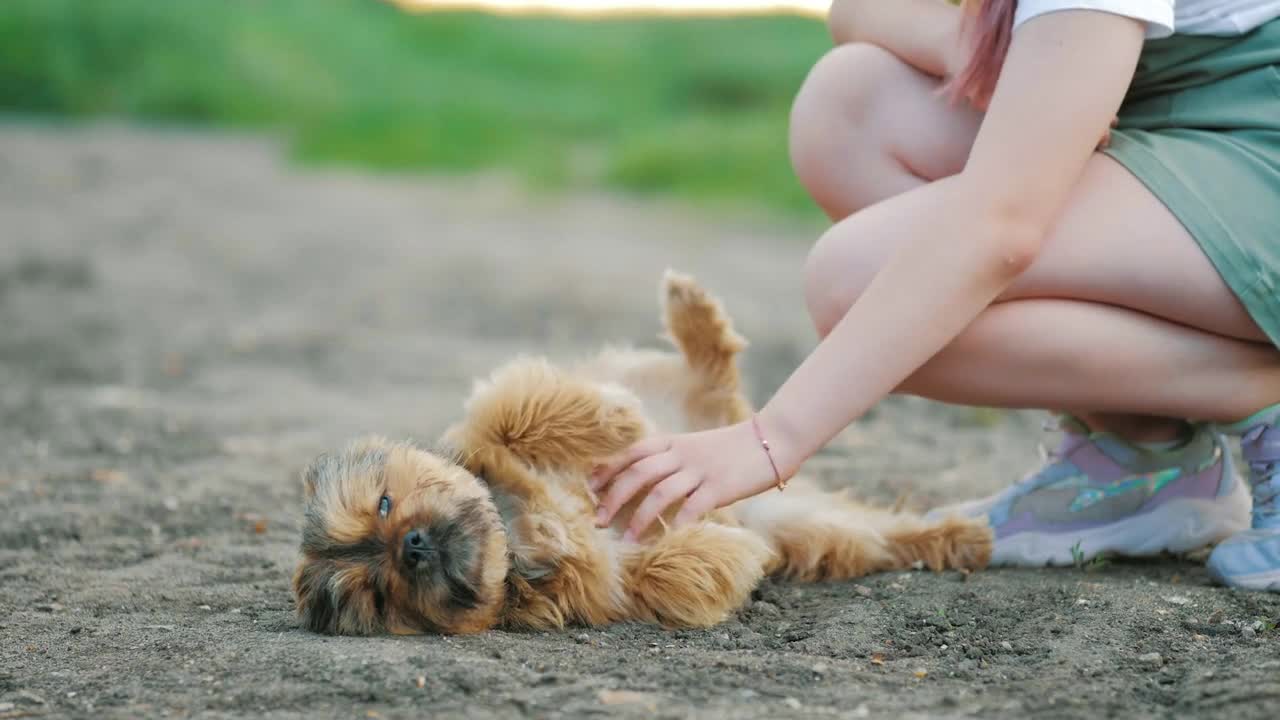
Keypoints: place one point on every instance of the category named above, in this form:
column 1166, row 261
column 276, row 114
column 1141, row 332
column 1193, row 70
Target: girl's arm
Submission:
column 967, row 237
column 922, row 33
column 963, row 240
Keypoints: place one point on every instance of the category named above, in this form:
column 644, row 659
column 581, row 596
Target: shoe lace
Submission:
column 1264, row 474
column 1049, row 456
column 1049, row 425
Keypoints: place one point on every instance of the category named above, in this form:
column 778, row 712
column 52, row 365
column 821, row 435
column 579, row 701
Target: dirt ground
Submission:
column 185, row 320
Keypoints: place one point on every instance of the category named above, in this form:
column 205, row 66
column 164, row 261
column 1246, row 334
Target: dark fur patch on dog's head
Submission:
column 356, row 576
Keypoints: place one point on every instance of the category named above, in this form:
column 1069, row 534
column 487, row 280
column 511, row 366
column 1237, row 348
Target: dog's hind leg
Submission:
column 949, row 544
column 696, row 322
column 824, row 536
column 695, row 576
column 815, row 539
column 546, row 418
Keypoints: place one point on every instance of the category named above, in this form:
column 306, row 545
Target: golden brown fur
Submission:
column 499, row 530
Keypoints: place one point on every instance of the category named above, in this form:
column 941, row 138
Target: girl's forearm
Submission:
column 944, row 275
column 922, row 33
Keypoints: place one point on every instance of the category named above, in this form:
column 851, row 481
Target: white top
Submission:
column 1166, row 17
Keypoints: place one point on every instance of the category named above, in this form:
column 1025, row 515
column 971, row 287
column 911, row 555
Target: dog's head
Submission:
column 396, row 539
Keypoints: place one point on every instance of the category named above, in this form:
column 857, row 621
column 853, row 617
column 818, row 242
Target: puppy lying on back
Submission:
column 500, row 531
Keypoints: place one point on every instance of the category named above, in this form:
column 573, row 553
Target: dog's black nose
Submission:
column 415, row 547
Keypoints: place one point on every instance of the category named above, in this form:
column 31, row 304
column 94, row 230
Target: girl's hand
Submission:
column 704, row 470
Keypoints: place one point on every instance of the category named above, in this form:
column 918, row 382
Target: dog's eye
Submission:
column 384, row 506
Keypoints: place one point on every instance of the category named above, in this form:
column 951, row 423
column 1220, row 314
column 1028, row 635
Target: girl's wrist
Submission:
column 787, row 445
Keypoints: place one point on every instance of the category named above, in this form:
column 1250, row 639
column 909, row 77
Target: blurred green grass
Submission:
column 696, row 108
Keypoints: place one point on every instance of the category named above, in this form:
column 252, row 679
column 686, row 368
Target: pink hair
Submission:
column 988, row 28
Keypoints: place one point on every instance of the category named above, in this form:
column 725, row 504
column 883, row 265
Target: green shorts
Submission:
column 1200, row 127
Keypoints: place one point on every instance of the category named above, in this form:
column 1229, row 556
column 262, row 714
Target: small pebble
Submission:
column 820, row 668
column 1151, row 659
column 30, row 698
column 1248, row 632
column 1006, row 645
column 205, row 607
column 765, row 608
column 107, row 477
column 792, row 703
column 171, row 503
column 582, row 638
column 421, row 682
column 862, row 590
column 627, row 697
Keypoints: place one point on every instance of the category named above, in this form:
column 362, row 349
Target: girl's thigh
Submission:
column 1117, row 243
column 1114, row 243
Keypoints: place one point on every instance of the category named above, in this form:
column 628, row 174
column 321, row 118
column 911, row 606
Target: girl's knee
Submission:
column 836, row 272
column 830, row 116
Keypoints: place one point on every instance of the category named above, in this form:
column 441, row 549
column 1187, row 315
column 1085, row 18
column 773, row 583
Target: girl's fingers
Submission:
column 632, row 480
column 701, row 502
column 603, row 474
column 675, row 488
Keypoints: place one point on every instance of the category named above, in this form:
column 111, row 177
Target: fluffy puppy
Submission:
column 498, row 529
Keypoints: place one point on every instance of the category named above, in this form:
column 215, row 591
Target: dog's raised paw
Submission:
column 696, row 321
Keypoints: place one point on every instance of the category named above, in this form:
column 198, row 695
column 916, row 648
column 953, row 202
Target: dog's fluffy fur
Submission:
column 506, row 520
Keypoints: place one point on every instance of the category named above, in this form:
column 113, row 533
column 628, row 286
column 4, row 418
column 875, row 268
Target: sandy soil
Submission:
column 185, row 320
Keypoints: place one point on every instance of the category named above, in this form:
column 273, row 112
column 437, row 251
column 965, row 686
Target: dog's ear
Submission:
column 313, row 602
column 315, row 473
column 530, row 559
column 531, row 569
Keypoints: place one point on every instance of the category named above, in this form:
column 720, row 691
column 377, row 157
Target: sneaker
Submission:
column 1251, row 559
column 1098, row 493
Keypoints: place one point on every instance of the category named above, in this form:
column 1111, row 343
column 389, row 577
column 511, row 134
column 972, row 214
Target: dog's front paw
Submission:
column 695, row 576
column 622, row 416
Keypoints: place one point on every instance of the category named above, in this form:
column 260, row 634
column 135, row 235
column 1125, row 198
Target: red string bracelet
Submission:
column 777, row 476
